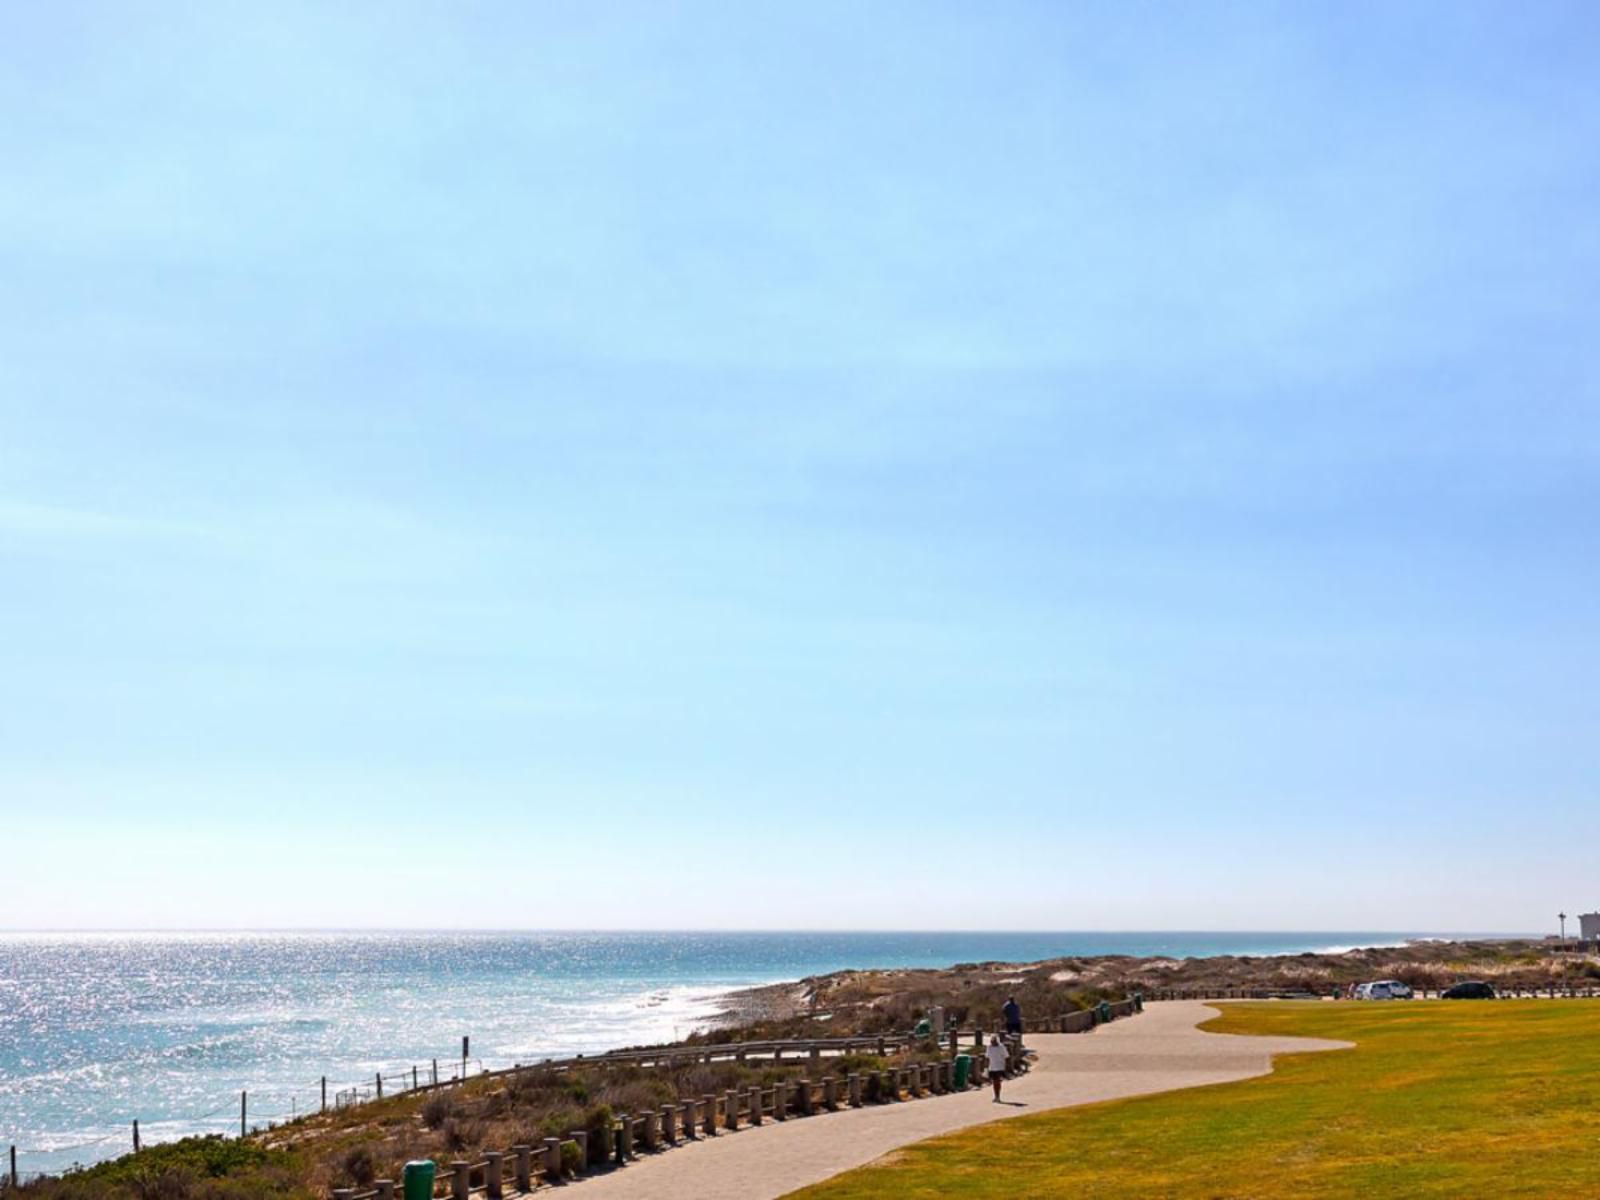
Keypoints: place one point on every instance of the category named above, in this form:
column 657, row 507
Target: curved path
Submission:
column 1158, row 1051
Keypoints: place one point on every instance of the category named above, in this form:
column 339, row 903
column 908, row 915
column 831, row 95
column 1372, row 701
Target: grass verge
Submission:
column 1438, row 1098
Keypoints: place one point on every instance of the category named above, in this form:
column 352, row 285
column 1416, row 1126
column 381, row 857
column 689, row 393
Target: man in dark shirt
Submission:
column 1012, row 1012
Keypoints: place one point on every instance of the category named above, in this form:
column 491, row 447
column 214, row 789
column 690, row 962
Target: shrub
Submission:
column 571, row 1158
column 598, row 1121
column 460, row 1134
column 437, row 1109
column 360, row 1165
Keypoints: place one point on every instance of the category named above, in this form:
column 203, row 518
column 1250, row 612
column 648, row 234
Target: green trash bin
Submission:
column 1103, row 1012
column 417, row 1180
column 963, row 1070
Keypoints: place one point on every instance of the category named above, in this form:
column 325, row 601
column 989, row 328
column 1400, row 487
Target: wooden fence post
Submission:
column 854, row 1081
column 805, row 1097
column 780, row 1100
column 755, row 1104
column 493, row 1185
column 830, row 1092
column 324, row 1093
column 581, row 1136
column 731, row 1109
column 552, row 1159
column 460, row 1179
column 708, row 1113
column 524, row 1167
column 385, row 1189
column 624, row 1138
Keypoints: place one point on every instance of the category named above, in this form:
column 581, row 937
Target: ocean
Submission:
column 100, row 1029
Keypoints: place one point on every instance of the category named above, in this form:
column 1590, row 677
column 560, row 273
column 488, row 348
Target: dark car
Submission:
column 1472, row 990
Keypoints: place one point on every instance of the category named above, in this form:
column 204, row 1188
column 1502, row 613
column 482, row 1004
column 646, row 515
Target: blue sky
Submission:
column 706, row 465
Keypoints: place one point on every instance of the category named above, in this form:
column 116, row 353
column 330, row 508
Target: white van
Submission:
column 1383, row 989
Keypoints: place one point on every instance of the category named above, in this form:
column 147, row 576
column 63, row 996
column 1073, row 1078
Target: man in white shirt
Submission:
column 998, row 1057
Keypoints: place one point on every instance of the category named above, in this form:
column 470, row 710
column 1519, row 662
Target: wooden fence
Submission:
column 527, row 1167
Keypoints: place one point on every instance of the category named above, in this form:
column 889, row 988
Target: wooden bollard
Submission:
column 755, row 1105
column 550, row 1151
column 524, row 1167
column 691, row 1119
column 669, row 1125
column 708, row 1111
column 854, row 1082
column 624, row 1138
column 803, row 1087
column 460, row 1179
column 652, row 1135
column 730, row 1110
column 385, row 1189
column 830, row 1092
column 780, row 1100
column 493, row 1183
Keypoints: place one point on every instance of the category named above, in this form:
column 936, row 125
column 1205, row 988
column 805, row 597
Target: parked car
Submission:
column 1383, row 989
column 1472, row 989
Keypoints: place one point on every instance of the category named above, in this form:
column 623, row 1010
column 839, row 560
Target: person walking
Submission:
column 998, row 1058
column 1012, row 1012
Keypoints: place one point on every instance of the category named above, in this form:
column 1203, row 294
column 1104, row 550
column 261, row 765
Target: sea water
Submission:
column 100, row 1029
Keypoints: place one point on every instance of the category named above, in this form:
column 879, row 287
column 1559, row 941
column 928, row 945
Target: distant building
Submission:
column 1589, row 926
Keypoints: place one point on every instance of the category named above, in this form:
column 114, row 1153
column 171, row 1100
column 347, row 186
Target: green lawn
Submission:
column 1439, row 1098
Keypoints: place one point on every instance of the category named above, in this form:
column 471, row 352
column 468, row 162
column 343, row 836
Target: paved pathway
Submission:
column 1160, row 1050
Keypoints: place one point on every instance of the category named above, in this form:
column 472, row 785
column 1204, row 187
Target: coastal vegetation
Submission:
column 978, row 990
column 1438, row 1098
column 351, row 1147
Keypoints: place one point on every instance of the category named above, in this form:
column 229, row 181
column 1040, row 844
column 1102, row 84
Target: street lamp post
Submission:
column 1563, row 917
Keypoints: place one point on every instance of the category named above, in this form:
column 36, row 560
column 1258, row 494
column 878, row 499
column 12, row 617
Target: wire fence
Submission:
column 246, row 1113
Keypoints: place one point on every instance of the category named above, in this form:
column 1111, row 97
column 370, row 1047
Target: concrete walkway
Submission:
column 1158, row 1051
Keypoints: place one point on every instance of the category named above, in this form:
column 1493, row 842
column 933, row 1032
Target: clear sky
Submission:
column 981, row 465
